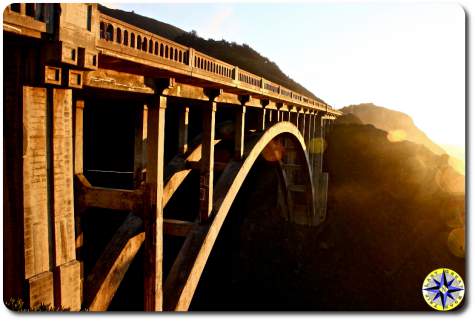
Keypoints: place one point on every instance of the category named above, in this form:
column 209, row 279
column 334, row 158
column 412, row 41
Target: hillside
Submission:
column 392, row 121
column 242, row 56
column 395, row 212
column 457, row 157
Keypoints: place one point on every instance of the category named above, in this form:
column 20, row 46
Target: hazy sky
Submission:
column 408, row 57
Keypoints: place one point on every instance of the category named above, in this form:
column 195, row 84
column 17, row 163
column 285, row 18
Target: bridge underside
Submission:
column 116, row 158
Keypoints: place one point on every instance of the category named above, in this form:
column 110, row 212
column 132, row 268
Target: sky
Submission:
column 404, row 56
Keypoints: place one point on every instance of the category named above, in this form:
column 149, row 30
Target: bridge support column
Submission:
column 272, row 117
column 293, row 117
column 323, row 127
column 183, row 130
column 139, row 145
column 308, row 128
column 301, row 121
column 279, row 112
column 67, row 287
column 261, row 120
column 78, row 137
column 239, row 130
column 320, row 178
column 33, row 225
column 268, row 121
column 319, row 143
column 153, row 216
column 79, row 170
column 207, row 161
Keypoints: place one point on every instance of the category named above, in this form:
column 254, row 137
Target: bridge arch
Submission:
column 186, row 271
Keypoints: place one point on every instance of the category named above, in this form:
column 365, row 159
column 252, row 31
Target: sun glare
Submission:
column 397, row 135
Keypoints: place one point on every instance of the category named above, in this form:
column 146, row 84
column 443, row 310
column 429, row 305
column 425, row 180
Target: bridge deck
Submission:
column 104, row 119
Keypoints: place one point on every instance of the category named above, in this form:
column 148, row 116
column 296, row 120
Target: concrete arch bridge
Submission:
column 116, row 139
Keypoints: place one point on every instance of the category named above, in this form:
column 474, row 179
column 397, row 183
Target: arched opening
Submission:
column 150, row 46
column 186, row 58
column 30, row 9
column 132, row 40
column 229, row 184
column 144, row 44
column 156, row 48
column 139, row 42
column 15, row 7
column 161, row 50
column 249, row 245
column 126, row 38
column 110, row 32
column 118, row 36
column 102, row 30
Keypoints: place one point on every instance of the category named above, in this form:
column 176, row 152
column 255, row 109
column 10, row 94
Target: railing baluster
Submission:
column 116, row 33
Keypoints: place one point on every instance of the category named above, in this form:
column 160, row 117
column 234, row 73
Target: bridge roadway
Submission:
column 100, row 114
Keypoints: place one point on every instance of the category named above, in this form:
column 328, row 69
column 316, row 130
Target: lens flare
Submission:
column 397, row 135
column 273, row 151
column 317, row 145
column 448, row 182
column 456, row 242
column 457, row 164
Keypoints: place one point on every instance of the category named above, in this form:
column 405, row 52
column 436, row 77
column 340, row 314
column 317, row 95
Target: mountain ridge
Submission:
column 391, row 120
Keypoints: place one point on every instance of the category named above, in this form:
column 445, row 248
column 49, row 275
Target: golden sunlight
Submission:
column 273, row 151
column 456, row 242
column 397, row 135
column 448, row 182
column 317, row 145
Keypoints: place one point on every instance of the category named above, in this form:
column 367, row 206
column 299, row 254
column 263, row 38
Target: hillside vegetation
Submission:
column 239, row 55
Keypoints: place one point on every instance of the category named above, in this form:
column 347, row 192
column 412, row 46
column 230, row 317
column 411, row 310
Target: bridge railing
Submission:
column 250, row 80
column 271, row 87
column 129, row 42
column 33, row 16
column 208, row 65
column 127, row 39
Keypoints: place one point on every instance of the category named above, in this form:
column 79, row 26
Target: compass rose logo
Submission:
column 443, row 289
